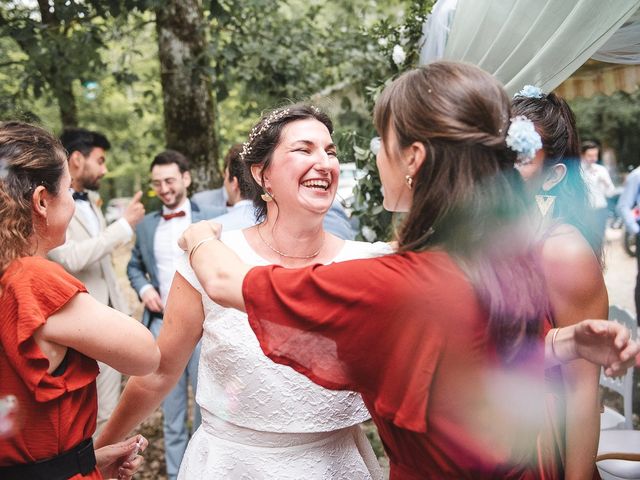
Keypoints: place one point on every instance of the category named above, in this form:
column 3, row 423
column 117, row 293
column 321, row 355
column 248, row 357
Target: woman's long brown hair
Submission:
column 468, row 199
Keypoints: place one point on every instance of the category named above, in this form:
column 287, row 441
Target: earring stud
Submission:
column 409, row 180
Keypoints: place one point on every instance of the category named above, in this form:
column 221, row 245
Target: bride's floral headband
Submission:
column 259, row 129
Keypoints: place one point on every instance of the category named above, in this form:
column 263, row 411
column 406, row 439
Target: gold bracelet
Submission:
column 197, row 245
column 553, row 342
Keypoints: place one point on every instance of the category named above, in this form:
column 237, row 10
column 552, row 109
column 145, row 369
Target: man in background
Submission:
column 627, row 203
column 238, row 191
column 599, row 187
column 151, row 269
column 86, row 254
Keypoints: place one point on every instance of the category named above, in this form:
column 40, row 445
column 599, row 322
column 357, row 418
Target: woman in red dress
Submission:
column 554, row 175
column 51, row 330
column 442, row 339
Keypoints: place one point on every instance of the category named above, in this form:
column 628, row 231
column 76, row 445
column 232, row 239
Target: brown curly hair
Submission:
column 29, row 156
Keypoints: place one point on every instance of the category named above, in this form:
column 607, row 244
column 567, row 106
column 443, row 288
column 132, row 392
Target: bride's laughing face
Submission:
column 303, row 174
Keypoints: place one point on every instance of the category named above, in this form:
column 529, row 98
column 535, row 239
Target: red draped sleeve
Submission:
column 376, row 326
column 408, row 332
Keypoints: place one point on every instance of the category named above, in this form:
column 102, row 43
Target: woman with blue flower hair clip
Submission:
column 574, row 278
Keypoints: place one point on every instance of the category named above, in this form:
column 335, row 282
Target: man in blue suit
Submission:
column 150, row 272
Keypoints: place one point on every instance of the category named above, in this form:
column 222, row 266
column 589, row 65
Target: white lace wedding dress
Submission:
column 261, row 420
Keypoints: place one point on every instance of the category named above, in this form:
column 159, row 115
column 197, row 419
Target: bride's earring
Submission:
column 409, row 180
column 266, row 196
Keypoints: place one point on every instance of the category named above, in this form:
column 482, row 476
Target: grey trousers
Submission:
column 175, row 411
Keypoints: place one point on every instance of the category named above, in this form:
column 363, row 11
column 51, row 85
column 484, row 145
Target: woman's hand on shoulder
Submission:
column 197, row 232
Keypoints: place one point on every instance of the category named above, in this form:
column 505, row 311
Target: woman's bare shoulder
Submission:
column 570, row 263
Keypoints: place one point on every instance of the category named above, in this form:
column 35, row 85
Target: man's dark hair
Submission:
column 83, row 141
column 237, row 169
column 588, row 145
column 171, row 156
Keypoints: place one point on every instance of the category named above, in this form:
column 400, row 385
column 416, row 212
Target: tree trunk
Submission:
column 189, row 120
column 66, row 103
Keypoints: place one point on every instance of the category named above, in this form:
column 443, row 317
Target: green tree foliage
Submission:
column 395, row 49
column 270, row 53
column 614, row 121
column 60, row 41
column 260, row 54
column 121, row 99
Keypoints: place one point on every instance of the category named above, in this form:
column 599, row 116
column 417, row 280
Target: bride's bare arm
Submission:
column 181, row 330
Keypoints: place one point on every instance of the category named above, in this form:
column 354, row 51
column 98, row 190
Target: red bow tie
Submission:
column 169, row 216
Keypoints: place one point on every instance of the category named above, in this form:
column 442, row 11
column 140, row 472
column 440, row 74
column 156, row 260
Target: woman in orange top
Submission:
column 442, row 338
column 51, row 330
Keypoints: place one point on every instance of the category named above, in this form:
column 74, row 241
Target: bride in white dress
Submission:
column 261, row 420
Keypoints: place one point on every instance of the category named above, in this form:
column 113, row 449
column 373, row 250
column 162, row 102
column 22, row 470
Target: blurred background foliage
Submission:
column 613, row 121
column 95, row 64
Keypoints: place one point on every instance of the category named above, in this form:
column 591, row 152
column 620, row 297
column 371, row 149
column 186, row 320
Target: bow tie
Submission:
column 81, row 196
column 169, row 216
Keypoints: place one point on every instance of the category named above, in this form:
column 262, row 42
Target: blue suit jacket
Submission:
column 142, row 269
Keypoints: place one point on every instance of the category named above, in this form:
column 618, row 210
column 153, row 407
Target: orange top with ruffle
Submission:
column 55, row 413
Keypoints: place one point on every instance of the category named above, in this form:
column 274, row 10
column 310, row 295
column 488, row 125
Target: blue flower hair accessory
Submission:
column 530, row 91
column 523, row 139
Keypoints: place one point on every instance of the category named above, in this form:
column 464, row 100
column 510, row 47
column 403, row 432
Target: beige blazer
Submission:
column 89, row 258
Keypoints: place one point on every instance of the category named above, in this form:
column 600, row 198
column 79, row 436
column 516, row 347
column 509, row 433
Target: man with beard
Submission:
column 151, row 269
column 86, row 254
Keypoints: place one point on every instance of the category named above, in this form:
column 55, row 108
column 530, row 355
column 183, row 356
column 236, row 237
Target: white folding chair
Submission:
column 622, row 385
column 619, row 447
column 611, row 419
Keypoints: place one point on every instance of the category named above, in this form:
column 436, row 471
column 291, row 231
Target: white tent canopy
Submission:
column 624, row 44
column 539, row 42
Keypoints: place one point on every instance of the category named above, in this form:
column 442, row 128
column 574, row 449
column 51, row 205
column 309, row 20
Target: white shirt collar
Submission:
column 185, row 206
column 241, row 203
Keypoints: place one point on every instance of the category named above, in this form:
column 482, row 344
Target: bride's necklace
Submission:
column 286, row 255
